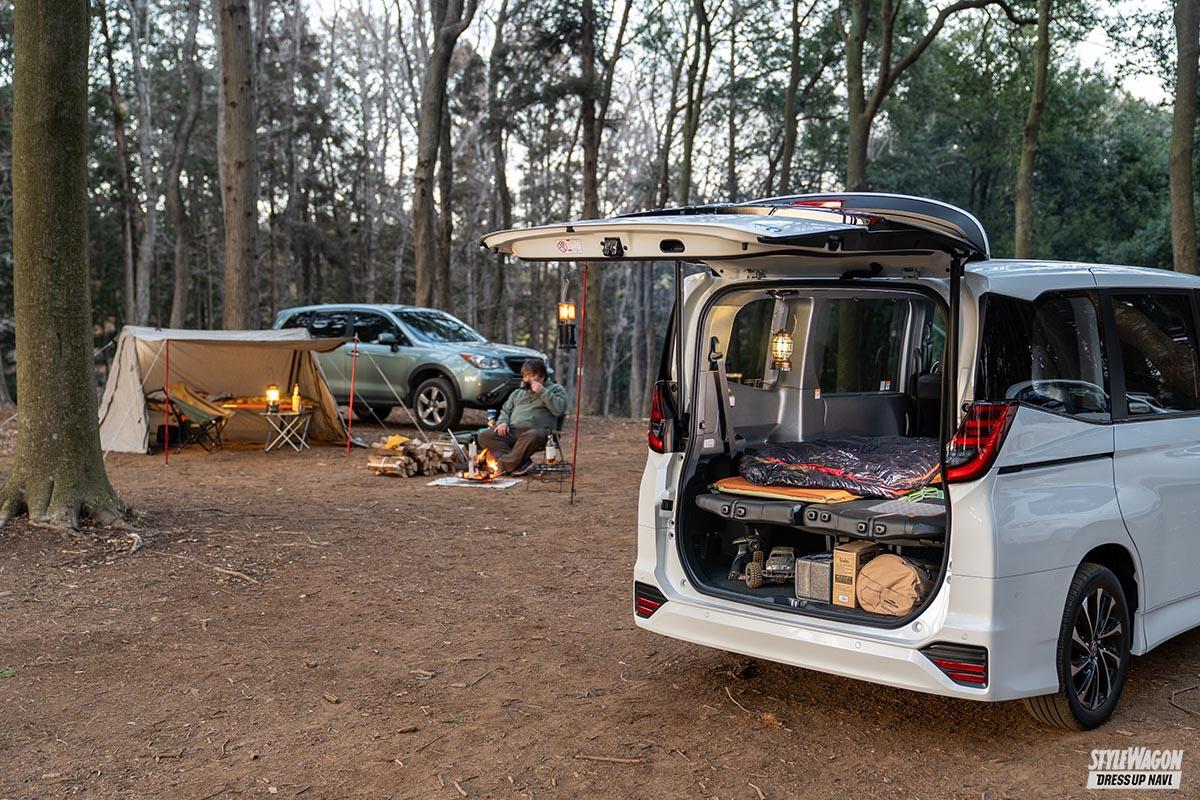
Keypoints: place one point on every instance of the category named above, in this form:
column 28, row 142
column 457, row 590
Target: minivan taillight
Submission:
column 657, row 435
column 977, row 441
column 646, row 599
column 966, row 665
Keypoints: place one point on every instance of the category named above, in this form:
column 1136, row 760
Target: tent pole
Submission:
column 579, row 379
column 167, row 410
column 350, row 416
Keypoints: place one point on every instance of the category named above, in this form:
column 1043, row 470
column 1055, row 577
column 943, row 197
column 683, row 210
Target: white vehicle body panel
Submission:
column 1060, row 488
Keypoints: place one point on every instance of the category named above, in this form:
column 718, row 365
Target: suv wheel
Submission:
column 1093, row 653
column 437, row 404
column 372, row 412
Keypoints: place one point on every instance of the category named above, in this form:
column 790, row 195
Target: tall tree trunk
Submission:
column 239, row 164
column 450, row 18
column 731, row 177
column 1183, row 131
column 649, row 342
column 140, row 19
column 697, row 80
column 445, row 217
column 1023, row 190
column 595, row 96
column 594, row 338
column 291, row 210
column 502, row 205
column 858, row 123
column 790, row 96
column 179, row 151
column 636, row 371
column 862, row 106
column 127, row 198
column 58, row 472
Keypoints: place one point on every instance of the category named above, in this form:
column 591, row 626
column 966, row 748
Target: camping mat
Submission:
column 453, row 480
column 870, row 466
column 738, row 485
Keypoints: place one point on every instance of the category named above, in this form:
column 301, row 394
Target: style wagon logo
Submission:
column 1135, row 768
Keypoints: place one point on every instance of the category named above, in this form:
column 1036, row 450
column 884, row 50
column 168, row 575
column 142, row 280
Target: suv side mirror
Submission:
column 389, row 338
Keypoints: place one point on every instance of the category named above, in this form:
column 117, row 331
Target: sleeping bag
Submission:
column 869, row 466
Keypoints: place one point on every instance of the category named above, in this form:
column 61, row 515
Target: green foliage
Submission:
column 954, row 132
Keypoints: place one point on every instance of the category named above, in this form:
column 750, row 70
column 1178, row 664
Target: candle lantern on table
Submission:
column 273, row 399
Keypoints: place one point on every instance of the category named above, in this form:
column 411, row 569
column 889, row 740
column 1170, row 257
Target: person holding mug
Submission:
column 526, row 419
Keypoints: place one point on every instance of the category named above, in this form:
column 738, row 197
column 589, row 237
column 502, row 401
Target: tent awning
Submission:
column 287, row 338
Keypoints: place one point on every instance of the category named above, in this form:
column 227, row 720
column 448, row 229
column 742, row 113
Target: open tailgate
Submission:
column 809, row 234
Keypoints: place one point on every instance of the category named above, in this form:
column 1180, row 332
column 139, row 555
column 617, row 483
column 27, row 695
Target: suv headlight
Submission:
column 482, row 362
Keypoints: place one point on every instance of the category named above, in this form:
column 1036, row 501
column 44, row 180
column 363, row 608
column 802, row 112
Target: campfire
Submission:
column 485, row 468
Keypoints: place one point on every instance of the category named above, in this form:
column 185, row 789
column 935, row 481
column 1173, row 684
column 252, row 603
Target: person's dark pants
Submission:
column 515, row 447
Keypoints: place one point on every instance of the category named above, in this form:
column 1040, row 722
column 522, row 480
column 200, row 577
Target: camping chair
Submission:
column 200, row 421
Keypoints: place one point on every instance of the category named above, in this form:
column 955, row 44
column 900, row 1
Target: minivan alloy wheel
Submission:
column 1093, row 652
column 1095, row 649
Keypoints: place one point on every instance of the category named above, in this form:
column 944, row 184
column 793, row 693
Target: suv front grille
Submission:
column 514, row 363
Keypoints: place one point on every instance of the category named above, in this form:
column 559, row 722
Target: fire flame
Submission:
column 487, row 468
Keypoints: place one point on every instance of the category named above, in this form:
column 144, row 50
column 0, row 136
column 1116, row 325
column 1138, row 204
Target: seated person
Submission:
column 526, row 419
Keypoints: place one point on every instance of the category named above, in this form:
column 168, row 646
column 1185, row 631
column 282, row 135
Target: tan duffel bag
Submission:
column 891, row 584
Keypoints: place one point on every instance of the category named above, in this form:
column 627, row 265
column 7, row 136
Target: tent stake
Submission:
column 350, row 416
column 579, row 380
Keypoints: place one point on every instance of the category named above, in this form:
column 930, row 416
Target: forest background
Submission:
column 387, row 137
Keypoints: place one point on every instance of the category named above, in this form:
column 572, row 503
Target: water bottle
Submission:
column 551, row 450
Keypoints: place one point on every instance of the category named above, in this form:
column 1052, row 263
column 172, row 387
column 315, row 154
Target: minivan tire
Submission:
column 370, row 413
column 437, row 404
column 1087, row 698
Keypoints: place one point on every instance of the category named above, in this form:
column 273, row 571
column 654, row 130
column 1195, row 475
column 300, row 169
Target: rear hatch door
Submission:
column 803, row 235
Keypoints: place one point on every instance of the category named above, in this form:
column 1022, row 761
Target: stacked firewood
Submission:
column 397, row 455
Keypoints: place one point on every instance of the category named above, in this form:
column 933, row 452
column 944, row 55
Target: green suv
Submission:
column 433, row 362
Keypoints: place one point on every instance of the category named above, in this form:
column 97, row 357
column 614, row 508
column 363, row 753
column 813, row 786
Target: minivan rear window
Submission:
column 863, row 340
column 1048, row 353
column 746, row 360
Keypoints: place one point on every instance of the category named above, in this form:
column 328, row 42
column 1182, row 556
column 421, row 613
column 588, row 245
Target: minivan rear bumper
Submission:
column 1021, row 655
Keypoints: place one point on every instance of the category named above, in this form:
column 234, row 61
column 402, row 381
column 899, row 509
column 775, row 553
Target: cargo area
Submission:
column 813, row 472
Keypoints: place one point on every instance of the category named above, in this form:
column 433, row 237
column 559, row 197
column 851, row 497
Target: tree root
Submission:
column 53, row 506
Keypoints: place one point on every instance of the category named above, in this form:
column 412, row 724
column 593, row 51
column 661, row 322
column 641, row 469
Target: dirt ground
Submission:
column 295, row 626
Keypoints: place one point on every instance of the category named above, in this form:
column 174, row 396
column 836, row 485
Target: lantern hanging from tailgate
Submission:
column 566, row 326
column 781, row 350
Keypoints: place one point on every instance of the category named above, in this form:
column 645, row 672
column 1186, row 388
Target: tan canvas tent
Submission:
column 235, row 363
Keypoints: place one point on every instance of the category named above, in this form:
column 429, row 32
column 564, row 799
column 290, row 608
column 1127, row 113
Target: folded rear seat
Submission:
column 871, row 518
column 880, row 520
column 746, row 509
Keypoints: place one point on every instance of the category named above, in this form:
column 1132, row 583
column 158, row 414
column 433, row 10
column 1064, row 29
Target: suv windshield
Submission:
column 432, row 327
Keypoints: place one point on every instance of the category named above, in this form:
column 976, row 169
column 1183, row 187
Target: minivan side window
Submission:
column 1158, row 353
column 863, row 340
column 1048, row 353
column 746, row 359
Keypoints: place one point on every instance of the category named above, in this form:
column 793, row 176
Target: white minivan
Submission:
column 850, row 376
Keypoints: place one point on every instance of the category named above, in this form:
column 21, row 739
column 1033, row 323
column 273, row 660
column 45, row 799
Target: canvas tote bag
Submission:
column 893, row 585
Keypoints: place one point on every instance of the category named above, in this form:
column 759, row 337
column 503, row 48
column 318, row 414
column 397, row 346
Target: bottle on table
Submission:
column 296, row 398
column 551, row 449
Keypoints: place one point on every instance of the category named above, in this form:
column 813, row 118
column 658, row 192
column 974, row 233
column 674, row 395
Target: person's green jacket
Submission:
column 526, row 408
